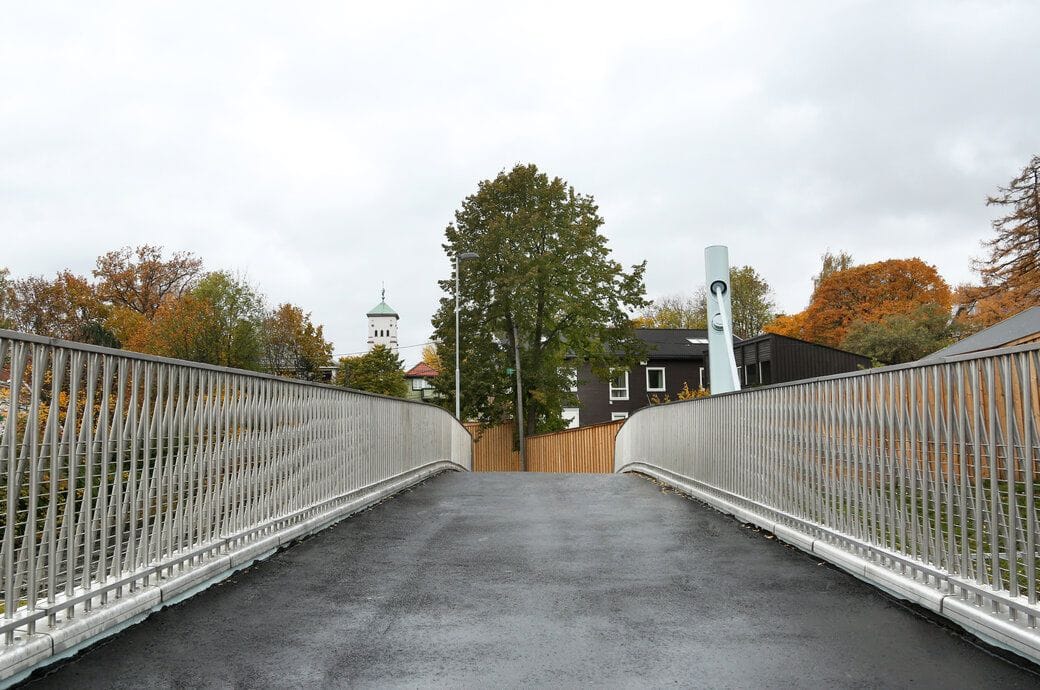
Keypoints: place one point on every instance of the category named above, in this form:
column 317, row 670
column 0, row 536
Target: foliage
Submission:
column 831, row 263
column 751, row 301
column 545, row 274
column 180, row 329
column 1011, row 273
column 899, row 338
column 292, row 345
column 377, row 371
column 675, row 311
column 684, row 394
column 218, row 322
column 129, row 327
column 66, row 307
column 141, row 279
column 236, row 312
column 432, row 358
column 7, row 300
column 147, row 303
column 865, row 293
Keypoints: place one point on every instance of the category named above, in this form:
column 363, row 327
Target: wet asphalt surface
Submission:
column 512, row 580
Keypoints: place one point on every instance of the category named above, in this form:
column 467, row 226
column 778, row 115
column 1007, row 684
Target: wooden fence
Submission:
column 585, row 449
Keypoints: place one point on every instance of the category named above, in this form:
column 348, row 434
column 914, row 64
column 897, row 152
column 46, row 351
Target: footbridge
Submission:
column 174, row 524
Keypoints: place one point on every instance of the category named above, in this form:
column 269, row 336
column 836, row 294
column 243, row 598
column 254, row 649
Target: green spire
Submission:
column 382, row 309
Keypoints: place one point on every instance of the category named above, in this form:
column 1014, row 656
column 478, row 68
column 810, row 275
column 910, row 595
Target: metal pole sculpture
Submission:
column 723, row 366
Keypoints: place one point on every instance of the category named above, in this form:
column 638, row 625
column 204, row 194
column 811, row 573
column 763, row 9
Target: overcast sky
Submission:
column 321, row 148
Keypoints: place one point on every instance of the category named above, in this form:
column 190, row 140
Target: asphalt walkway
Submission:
column 507, row 580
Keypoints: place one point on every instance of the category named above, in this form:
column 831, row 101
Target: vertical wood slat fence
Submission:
column 588, row 449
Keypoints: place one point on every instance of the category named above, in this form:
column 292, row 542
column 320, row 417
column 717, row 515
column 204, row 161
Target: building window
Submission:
column 615, row 416
column 572, row 416
column 619, row 387
column 700, row 377
column 418, row 384
column 655, row 379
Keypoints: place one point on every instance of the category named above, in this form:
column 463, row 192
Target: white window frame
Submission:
column 664, row 384
column 615, row 391
column 700, row 376
column 615, row 416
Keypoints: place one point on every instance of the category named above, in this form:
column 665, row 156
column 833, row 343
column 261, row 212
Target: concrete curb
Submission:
column 987, row 626
column 33, row 652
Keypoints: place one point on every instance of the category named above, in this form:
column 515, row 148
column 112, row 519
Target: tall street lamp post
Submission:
column 464, row 256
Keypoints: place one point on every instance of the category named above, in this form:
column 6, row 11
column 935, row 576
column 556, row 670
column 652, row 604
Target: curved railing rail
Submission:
column 127, row 479
column 923, row 479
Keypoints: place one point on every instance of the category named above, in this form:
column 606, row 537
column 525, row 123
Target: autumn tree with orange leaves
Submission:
column 864, row 294
column 140, row 279
column 66, row 307
column 145, row 301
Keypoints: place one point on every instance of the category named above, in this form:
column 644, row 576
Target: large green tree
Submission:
column 377, row 371
column 545, row 274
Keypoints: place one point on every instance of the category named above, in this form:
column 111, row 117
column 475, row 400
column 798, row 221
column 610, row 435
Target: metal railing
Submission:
column 921, row 478
column 119, row 471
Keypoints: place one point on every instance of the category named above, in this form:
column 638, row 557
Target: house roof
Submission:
column 382, row 309
column 422, row 370
column 675, row 342
column 1021, row 325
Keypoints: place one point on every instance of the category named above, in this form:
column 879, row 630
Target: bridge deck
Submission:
column 538, row 579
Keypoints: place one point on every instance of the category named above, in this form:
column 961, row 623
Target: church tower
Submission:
column 382, row 325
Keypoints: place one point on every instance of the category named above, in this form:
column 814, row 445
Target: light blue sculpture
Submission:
column 724, row 377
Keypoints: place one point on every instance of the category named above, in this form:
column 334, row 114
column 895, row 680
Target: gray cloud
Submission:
column 322, row 151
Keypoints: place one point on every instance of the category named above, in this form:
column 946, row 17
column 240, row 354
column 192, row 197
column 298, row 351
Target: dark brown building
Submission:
column 771, row 358
column 679, row 357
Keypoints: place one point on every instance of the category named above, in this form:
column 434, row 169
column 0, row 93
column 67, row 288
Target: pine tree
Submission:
column 1012, row 270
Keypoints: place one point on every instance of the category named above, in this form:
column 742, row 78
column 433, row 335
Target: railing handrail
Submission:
column 916, row 364
column 133, row 478
column 159, row 359
column 923, row 478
